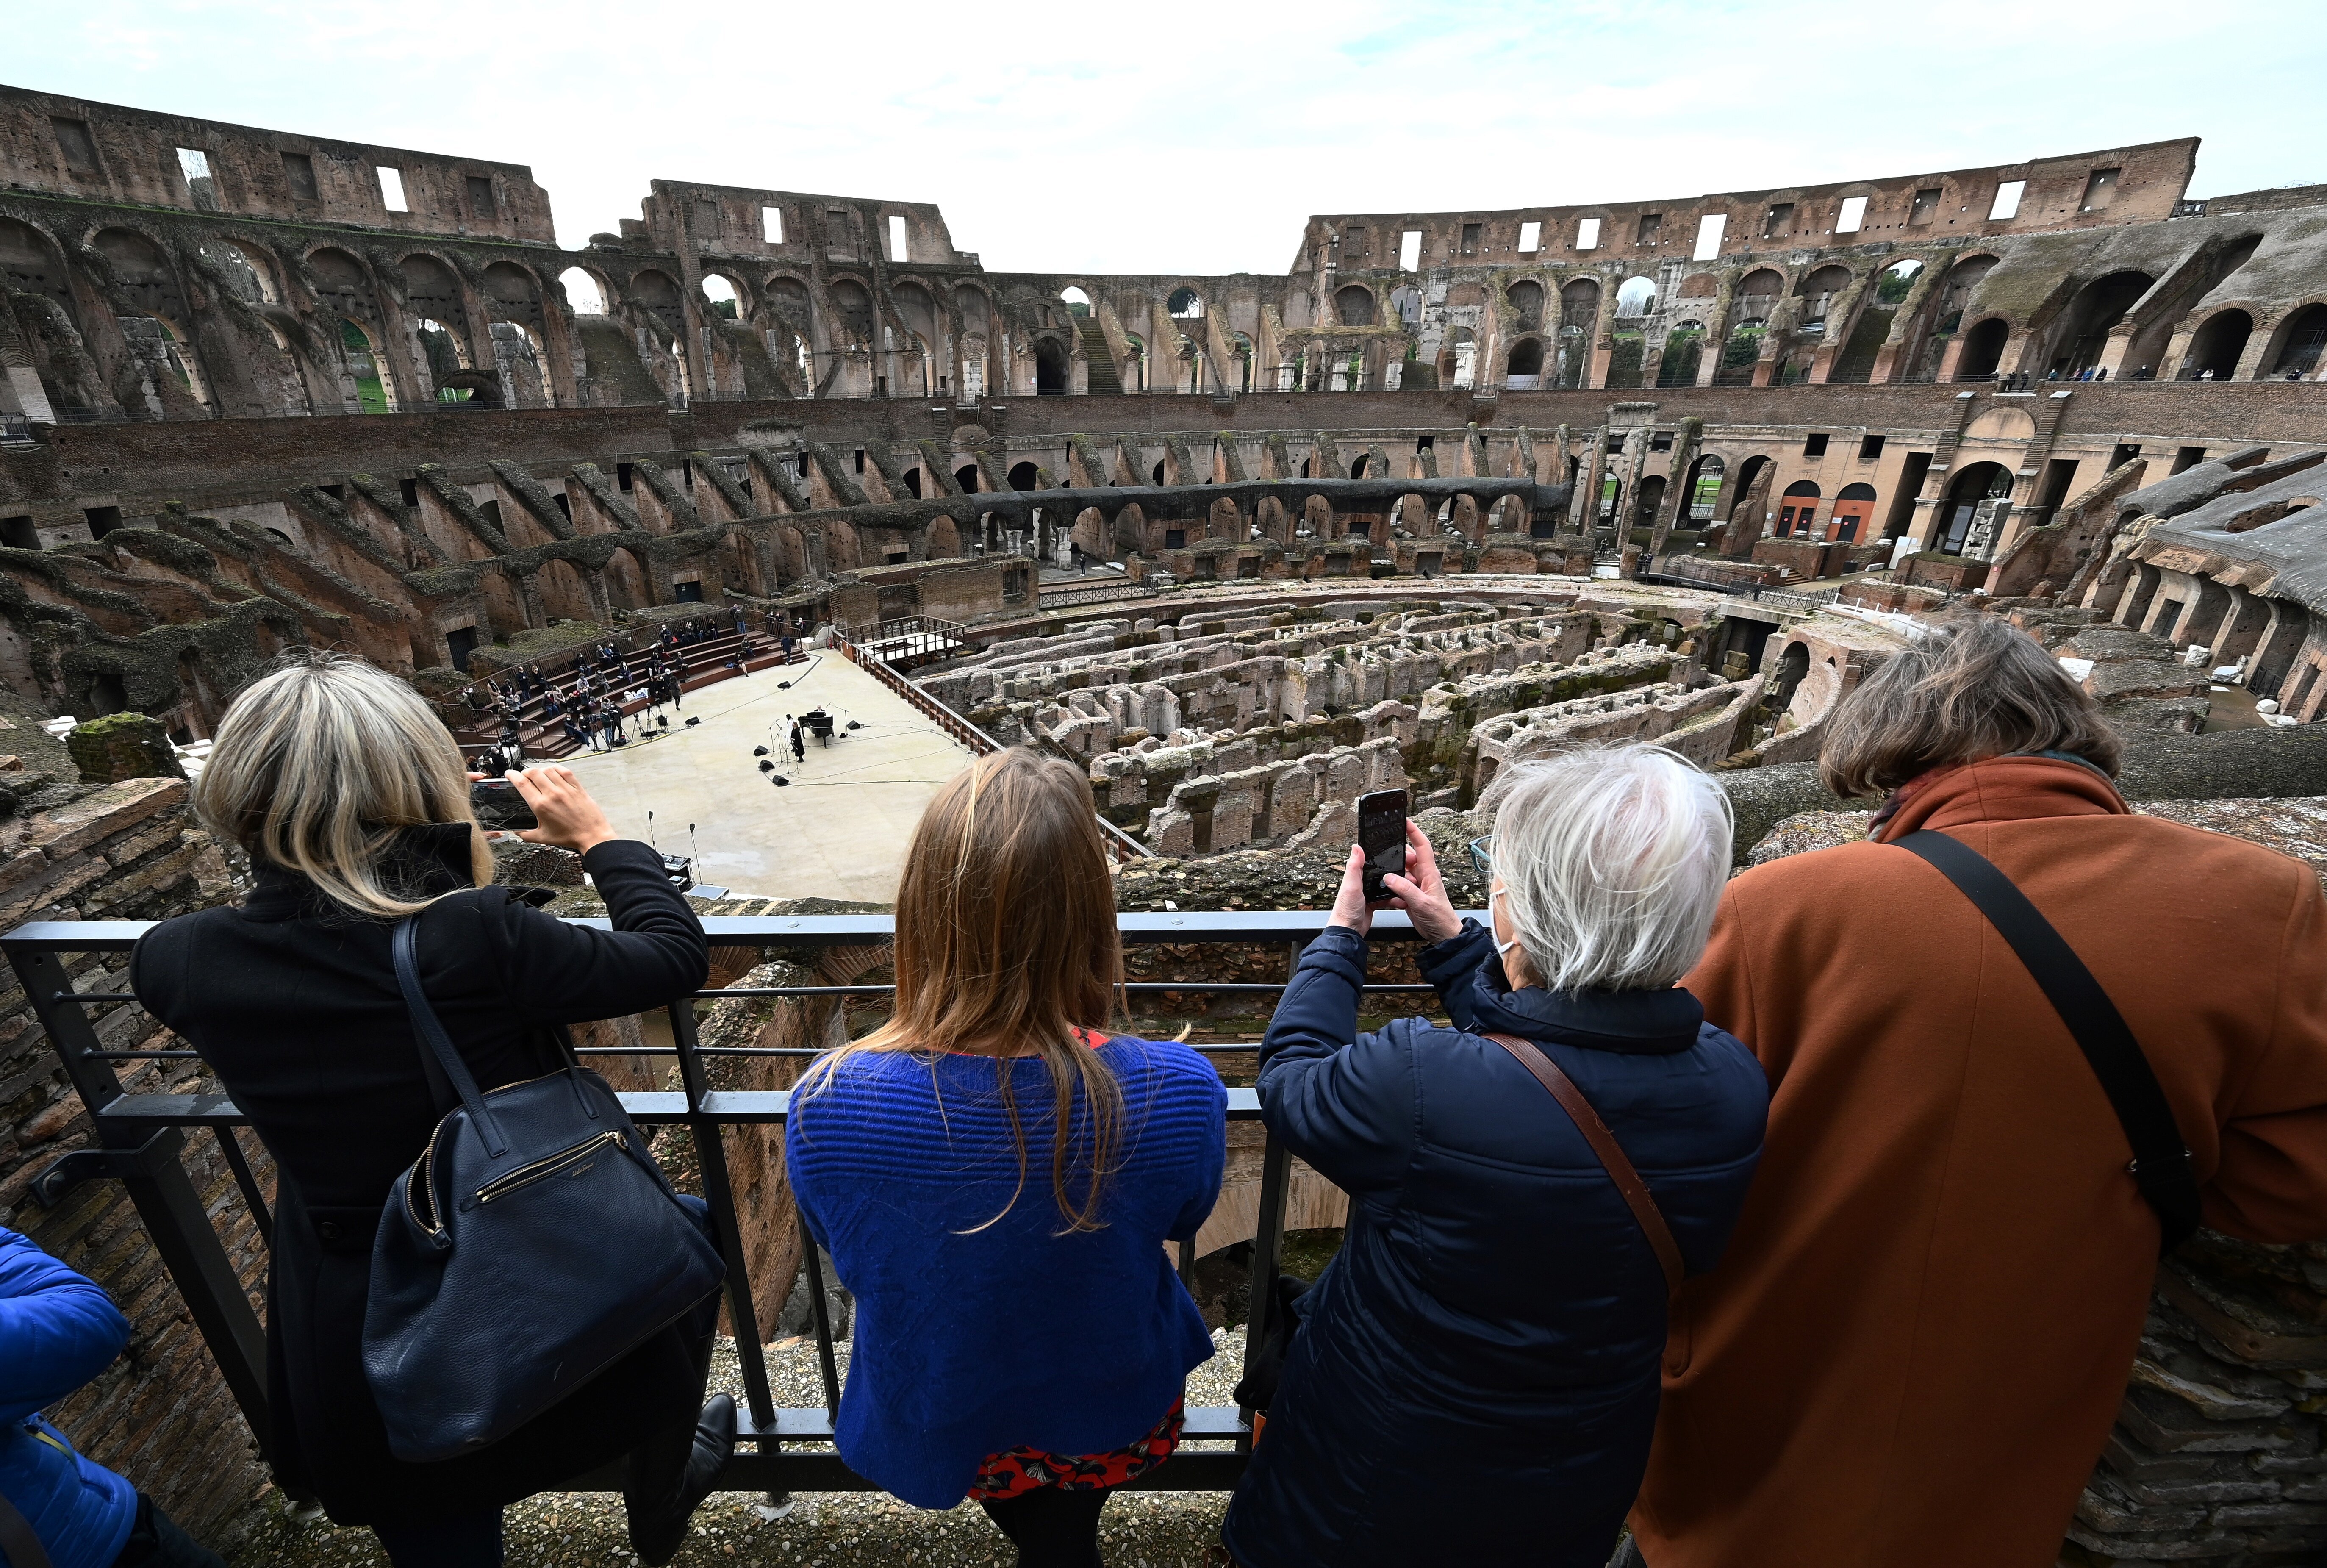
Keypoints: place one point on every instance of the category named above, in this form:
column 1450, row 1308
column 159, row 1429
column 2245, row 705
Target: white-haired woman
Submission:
column 349, row 798
column 1475, row 1377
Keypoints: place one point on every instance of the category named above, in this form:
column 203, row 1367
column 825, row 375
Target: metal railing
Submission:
column 139, row 1139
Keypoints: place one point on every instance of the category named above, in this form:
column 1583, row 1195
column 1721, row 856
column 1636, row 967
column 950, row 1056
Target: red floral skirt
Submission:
column 1021, row 1469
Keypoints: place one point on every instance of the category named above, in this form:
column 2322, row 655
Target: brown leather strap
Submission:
column 17, row 1540
column 1595, row 1132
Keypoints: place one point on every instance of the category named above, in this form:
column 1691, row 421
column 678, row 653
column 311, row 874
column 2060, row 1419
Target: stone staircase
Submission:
column 1103, row 378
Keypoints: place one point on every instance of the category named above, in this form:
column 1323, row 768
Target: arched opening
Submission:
column 1817, row 293
column 1579, row 311
column 2301, row 344
column 1853, row 512
column 1896, row 282
column 1527, row 304
column 1745, row 503
column 1050, row 369
column 247, row 274
column 2215, row 346
column 1026, row 476
column 1983, row 350
column 2099, row 307
column 1458, row 362
column 1648, row 501
column 965, row 476
column 1358, row 469
column 1078, row 302
column 374, row 393
column 1749, row 319
column 444, row 356
column 1636, row 297
column 1354, row 305
column 1798, row 507
column 1523, row 368
column 585, row 294
column 1684, row 355
column 1136, row 358
column 912, row 478
column 1971, row 516
column 1704, row 477
column 1185, row 306
column 719, row 295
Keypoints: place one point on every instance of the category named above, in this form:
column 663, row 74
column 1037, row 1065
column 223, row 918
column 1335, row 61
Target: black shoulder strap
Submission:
column 2161, row 1158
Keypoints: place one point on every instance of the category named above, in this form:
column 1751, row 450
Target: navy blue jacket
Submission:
column 1476, row 1375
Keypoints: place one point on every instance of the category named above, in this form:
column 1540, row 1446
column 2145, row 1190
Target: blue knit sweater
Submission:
column 969, row 1340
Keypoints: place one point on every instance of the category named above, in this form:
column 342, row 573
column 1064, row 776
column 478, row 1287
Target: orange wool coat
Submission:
column 1911, row 1353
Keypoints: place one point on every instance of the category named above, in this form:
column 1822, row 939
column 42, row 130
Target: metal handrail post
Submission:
column 711, row 1159
column 175, row 1218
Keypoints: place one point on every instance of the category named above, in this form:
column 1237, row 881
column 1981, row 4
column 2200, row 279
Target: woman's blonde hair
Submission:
column 1612, row 859
column 318, row 766
column 1006, row 943
column 1968, row 687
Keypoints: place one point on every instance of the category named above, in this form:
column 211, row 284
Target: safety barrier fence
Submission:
column 139, row 1139
column 1119, row 843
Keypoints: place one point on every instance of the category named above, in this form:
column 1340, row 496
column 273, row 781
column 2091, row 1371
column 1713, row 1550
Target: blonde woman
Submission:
column 349, row 798
column 1020, row 1337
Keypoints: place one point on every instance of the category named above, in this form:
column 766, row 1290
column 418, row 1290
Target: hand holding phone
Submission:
column 498, row 807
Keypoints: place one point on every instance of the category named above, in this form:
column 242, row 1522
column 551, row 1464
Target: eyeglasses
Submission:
column 1482, row 857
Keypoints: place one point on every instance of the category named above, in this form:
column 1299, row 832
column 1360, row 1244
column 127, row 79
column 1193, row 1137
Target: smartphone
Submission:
column 498, row 807
column 1381, row 834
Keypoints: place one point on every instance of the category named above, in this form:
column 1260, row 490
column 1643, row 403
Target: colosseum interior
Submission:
column 1452, row 490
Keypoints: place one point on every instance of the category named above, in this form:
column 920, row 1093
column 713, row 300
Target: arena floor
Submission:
column 838, row 830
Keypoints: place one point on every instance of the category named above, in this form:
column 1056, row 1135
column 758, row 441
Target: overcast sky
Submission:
column 1196, row 136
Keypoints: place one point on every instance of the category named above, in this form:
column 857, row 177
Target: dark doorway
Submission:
column 1798, row 507
column 461, row 644
column 1983, row 350
column 1024, row 476
column 1050, row 370
column 2302, row 345
column 1980, row 483
column 686, row 592
column 965, row 476
column 2214, row 352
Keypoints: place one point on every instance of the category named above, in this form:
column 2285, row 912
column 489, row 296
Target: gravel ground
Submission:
column 820, row 1530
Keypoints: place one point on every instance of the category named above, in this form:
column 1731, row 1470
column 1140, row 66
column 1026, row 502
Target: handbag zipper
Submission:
column 542, row 1170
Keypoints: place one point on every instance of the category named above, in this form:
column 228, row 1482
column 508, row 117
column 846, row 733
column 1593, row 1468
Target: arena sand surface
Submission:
column 838, row 830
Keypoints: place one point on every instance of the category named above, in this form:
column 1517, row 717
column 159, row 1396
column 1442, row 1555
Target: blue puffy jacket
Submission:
column 1476, row 1375
column 57, row 1331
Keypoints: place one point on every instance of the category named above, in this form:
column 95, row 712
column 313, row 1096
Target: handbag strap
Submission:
column 18, row 1540
column 2161, row 1159
column 1636, row 1197
column 435, row 1045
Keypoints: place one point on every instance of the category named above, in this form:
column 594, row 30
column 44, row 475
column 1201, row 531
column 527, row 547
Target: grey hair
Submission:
column 317, row 767
column 1970, row 686
column 1612, row 860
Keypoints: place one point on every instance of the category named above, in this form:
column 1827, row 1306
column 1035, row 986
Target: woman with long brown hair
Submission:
column 994, row 1176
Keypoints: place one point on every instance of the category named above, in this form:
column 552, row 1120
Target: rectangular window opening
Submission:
column 2188, row 457
column 1709, row 230
column 1927, row 203
column 622, row 478
column 1814, row 446
column 196, row 166
column 391, row 188
column 481, row 199
column 1853, row 216
column 73, row 140
column 19, row 534
column 771, row 225
column 299, row 174
column 1530, row 238
column 1409, row 250
column 1587, row 234
column 2099, row 191
column 897, row 246
column 2007, row 201
column 1870, row 447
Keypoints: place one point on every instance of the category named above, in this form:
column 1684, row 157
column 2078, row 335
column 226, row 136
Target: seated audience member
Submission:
column 1474, row 1377
column 1913, row 1352
column 994, row 1176
column 58, row 1330
column 348, row 795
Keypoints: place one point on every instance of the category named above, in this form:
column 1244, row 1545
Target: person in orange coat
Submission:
column 1912, row 1352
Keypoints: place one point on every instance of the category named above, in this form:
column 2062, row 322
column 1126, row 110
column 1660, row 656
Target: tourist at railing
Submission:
column 348, row 798
column 58, row 1330
column 1020, row 1337
column 1475, row 1377
column 1913, row 1352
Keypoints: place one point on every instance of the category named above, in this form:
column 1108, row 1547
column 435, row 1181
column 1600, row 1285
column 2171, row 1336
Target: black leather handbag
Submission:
column 534, row 1243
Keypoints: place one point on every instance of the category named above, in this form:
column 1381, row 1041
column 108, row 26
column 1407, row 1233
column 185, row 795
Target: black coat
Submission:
column 293, row 1000
column 1475, row 1377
